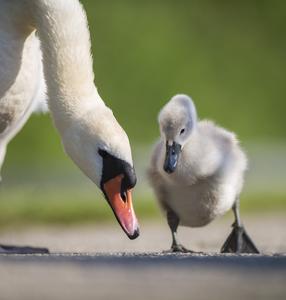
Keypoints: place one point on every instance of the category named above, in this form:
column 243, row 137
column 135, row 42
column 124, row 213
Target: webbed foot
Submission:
column 239, row 242
column 178, row 248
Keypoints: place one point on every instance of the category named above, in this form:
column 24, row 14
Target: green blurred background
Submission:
column 230, row 56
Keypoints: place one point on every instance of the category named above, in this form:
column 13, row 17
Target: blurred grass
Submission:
column 30, row 206
column 229, row 55
column 27, row 205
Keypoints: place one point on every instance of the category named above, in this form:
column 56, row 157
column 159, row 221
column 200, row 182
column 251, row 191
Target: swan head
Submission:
column 177, row 121
column 100, row 148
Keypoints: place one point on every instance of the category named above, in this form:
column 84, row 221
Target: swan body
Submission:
column 45, row 49
column 197, row 168
column 22, row 85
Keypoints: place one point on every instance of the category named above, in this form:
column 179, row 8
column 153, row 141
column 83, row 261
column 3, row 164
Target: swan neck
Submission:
column 68, row 67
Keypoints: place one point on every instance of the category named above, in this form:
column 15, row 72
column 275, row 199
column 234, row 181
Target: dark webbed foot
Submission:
column 8, row 249
column 239, row 242
column 178, row 248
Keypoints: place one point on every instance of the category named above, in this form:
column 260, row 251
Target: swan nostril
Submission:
column 123, row 196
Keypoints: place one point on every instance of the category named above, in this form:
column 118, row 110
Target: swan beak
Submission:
column 121, row 204
column 172, row 155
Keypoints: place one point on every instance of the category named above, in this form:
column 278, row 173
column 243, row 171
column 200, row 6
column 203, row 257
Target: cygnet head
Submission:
column 177, row 120
column 100, row 147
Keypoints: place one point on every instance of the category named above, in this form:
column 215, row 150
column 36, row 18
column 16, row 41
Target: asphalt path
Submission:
column 83, row 263
column 142, row 276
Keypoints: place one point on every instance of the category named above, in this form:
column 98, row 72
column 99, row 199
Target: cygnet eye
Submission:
column 182, row 131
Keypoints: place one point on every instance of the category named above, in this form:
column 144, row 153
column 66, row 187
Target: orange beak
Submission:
column 122, row 206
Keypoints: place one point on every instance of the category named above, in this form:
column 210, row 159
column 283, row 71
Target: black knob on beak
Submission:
column 172, row 156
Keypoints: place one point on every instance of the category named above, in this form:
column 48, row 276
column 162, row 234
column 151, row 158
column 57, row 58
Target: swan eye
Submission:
column 102, row 153
column 182, row 131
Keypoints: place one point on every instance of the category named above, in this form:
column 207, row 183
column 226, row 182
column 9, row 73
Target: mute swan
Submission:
column 197, row 171
column 91, row 136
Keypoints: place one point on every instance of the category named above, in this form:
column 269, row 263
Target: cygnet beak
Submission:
column 173, row 151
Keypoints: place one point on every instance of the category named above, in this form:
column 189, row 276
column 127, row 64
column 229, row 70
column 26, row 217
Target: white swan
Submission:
column 197, row 171
column 91, row 136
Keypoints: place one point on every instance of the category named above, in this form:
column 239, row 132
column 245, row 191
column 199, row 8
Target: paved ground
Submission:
column 139, row 276
column 139, row 269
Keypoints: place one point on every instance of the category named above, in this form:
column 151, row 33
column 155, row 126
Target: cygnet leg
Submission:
column 173, row 222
